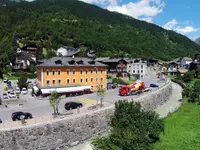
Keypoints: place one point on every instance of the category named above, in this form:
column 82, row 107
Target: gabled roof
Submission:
column 114, row 60
column 25, row 56
column 69, row 61
column 102, row 58
column 187, row 58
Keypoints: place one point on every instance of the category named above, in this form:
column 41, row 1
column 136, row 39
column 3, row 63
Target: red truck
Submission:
column 135, row 88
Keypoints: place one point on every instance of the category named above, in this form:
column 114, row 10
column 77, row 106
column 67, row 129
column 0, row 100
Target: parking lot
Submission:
column 39, row 106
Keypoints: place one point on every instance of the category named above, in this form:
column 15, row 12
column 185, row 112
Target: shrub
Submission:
column 119, row 81
column 132, row 128
column 6, row 89
column 188, row 76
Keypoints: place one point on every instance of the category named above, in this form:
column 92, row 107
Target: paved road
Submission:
column 40, row 106
column 170, row 106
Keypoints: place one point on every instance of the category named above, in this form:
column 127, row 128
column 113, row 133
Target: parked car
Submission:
column 147, row 89
column 153, row 85
column 24, row 91
column 17, row 115
column 0, row 121
column 12, row 95
column 17, row 91
column 10, row 89
column 5, row 96
column 9, row 83
column 73, row 105
column 5, row 80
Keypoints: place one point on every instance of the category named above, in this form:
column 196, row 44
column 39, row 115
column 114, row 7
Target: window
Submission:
column 96, row 71
column 53, row 73
column 133, row 71
column 53, row 82
column 86, row 71
column 74, row 81
column 47, row 72
column 86, row 80
column 101, row 86
column 81, row 71
column 91, row 71
column 96, row 79
column 142, row 66
column 101, row 79
column 48, row 82
column 59, row 72
column 138, row 71
column 91, row 79
column 141, row 76
column 81, row 80
column 74, row 71
column 101, row 71
column 59, row 81
column 141, row 71
column 67, row 71
column 67, row 81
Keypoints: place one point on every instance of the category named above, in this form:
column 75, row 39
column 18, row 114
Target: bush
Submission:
column 6, row 89
column 22, row 82
column 188, row 76
column 131, row 128
column 119, row 81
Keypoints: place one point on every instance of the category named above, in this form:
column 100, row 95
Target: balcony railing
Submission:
column 19, row 67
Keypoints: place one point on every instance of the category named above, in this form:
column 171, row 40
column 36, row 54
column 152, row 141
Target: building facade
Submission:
column 137, row 68
column 185, row 62
column 67, row 71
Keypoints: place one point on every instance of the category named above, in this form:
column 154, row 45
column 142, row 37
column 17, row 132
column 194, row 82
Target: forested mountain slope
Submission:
column 52, row 23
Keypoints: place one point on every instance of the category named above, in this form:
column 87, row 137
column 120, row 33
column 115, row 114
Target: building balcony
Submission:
column 172, row 69
column 19, row 67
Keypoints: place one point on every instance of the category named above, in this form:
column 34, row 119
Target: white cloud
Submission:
column 147, row 19
column 174, row 25
column 102, row 2
column 142, row 9
column 187, row 29
column 171, row 24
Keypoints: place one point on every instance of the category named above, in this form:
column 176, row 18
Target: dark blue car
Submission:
column 153, row 85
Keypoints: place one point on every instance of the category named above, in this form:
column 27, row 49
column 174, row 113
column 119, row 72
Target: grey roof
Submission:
column 114, row 60
column 187, row 58
column 102, row 58
column 69, row 61
column 25, row 56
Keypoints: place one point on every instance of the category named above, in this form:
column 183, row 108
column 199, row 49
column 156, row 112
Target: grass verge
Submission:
column 182, row 129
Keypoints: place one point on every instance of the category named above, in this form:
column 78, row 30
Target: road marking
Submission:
column 87, row 100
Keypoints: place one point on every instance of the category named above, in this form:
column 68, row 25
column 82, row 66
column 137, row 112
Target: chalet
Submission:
column 185, row 62
column 116, row 67
column 173, row 66
column 23, row 61
column 30, row 49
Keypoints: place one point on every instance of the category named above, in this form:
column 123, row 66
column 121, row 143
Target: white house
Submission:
column 67, row 51
column 137, row 67
column 185, row 62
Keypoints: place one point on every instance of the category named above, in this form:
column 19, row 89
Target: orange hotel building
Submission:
column 68, row 71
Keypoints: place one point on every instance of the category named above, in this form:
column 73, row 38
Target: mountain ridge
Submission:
column 54, row 23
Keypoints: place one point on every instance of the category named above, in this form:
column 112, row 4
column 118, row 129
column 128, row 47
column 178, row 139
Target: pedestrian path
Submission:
column 173, row 103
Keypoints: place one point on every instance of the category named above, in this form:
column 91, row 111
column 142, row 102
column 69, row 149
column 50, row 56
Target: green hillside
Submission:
column 53, row 23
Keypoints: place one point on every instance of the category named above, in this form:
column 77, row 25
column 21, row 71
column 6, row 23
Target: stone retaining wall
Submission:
column 63, row 132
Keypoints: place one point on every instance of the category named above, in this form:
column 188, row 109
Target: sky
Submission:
column 182, row 16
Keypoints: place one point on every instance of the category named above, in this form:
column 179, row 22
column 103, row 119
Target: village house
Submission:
column 69, row 71
column 23, row 61
column 137, row 67
column 115, row 67
column 185, row 62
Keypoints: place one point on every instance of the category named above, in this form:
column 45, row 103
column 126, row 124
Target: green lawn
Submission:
column 10, row 77
column 182, row 129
